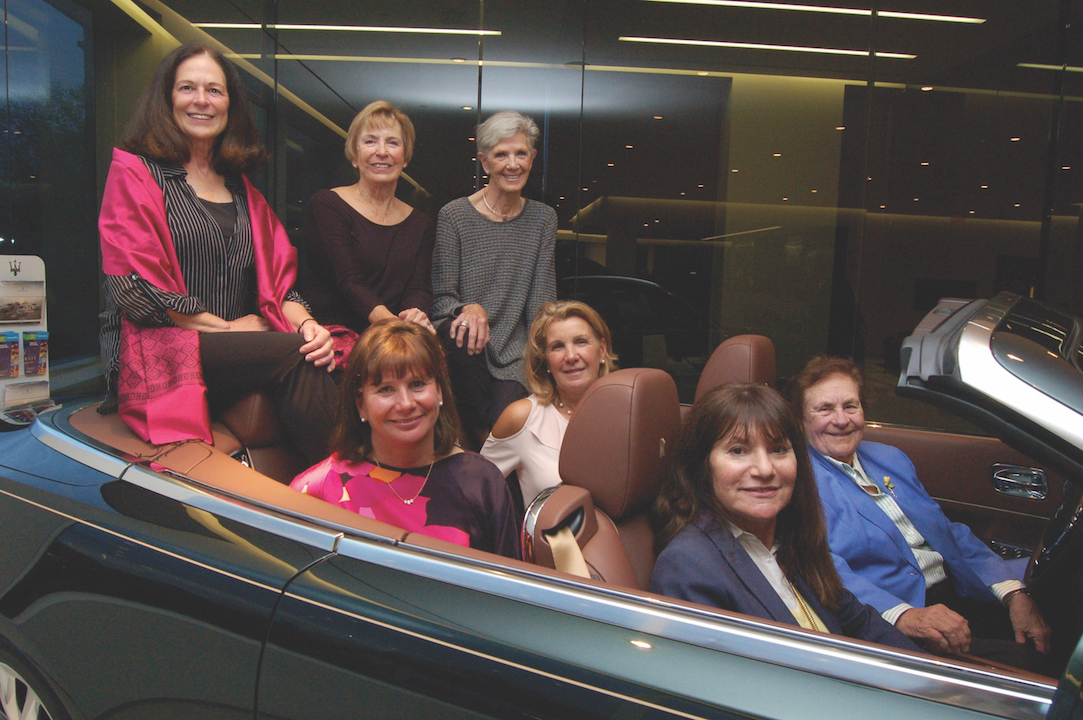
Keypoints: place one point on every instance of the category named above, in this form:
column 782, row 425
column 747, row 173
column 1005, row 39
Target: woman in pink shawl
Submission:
column 200, row 272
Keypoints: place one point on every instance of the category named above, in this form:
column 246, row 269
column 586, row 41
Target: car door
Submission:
column 1004, row 496
column 422, row 629
column 137, row 595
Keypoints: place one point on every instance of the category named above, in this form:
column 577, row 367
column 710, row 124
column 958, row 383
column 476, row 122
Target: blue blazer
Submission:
column 873, row 559
column 705, row 564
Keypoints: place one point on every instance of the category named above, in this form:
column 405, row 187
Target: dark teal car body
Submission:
column 129, row 589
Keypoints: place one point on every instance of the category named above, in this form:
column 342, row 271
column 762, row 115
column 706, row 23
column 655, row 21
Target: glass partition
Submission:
column 817, row 174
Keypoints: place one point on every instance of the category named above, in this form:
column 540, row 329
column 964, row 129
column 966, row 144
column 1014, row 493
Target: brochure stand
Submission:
column 24, row 341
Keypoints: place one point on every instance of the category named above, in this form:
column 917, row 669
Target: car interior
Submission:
column 612, row 462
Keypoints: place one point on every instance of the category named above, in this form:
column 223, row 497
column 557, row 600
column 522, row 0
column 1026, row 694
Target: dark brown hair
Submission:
column 153, row 132
column 392, row 348
column 538, row 379
column 747, row 412
column 817, row 369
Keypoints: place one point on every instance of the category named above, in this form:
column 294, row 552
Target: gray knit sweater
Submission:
column 507, row 268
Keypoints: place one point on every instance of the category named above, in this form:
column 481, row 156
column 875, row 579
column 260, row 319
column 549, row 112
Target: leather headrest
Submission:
column 616, row 441
column 741, row 359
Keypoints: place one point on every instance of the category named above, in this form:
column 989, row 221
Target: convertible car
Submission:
column 187, row 581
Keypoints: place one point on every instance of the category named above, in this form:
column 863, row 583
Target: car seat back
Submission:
column 615, row 451
column 254, row 421
column 743, row 359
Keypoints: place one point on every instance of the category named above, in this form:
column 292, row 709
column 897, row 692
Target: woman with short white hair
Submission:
column 493, row 268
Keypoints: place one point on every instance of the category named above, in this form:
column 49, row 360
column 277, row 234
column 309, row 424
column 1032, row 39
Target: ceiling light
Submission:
column 1015, row 139
column 458, row 60
column 733, row 170
column 763, row 46
column 467, row 107
column 628, row 147
column 778, row 154
column 984, row 187
column 927, row 88
column 772, row 6
column 924, row 164
column 382, row 29
column 926, row 16
column 231, row 26
column 657, row 117
column 840, row 127
column 1039, row 66
column 826, row 9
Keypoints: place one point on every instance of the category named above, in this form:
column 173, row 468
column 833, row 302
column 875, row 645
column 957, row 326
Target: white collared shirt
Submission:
column 764, row 559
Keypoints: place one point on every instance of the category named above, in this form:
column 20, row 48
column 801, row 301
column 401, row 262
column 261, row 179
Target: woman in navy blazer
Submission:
column 741, row 487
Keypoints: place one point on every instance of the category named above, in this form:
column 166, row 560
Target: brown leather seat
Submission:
column 254, row 422
column 612, row 462
column 742, row 358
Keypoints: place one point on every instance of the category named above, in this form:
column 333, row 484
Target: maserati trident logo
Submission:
column 15, row 266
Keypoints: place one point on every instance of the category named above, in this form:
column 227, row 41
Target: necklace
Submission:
column 382, row 212
column 391, row 479
column 560, row 405
column 806, row 610
column 492, row 209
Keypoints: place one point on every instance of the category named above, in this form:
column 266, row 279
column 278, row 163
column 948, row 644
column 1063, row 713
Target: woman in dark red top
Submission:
column 369, row 253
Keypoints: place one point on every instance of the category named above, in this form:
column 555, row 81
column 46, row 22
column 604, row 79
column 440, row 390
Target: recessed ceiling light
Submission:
column 984, row 187
column 1015, row 139
column 778, row 154
column 657, row 117
column 733, row 170
column 467, row 107
column 840, row 127
column 1017, row 204
column 609, row 164
column 924, row 164
column 458, row 60
column 628, row 147
column 927, row 88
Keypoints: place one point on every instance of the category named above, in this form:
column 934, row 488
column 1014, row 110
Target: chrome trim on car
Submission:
column 46, row 431
column 293, row 528
column 141, row 543
column 979, row 369
column 531, row 519
column 1029, row 483
column 925, row 678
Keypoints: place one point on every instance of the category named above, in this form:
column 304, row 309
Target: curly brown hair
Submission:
column 152, row 132
column 746, row 412
column 392, row 348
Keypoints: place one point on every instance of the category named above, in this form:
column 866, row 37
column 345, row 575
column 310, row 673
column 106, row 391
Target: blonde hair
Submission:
column 538, row 379
column 379, row 115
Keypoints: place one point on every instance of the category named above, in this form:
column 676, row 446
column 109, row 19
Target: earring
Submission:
column 361, row 417
column 441, row 403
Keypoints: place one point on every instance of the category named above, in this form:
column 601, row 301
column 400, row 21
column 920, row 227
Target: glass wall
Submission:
column 816, row 174
column 48, row 198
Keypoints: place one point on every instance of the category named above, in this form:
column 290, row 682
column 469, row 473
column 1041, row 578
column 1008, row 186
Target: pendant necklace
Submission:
column 385, row 473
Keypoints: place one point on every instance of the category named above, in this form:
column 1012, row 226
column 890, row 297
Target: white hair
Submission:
column 503, row 125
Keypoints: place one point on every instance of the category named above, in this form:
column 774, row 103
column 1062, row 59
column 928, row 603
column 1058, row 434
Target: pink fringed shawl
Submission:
column 161, row 391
